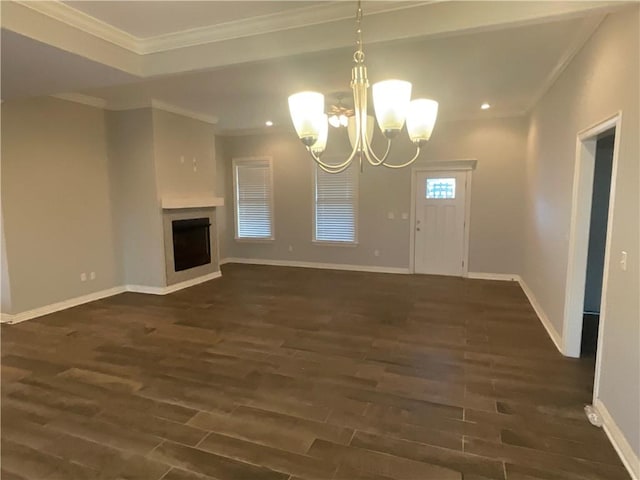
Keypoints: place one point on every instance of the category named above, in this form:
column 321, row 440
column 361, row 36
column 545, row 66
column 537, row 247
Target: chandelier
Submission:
column 392, row 104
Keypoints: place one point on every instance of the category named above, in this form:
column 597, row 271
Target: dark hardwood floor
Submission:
column 280, row 373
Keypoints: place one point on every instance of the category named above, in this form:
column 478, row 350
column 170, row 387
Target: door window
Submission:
column 443, row 188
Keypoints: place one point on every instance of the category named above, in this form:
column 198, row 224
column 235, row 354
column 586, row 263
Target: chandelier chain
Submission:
column 358, row 56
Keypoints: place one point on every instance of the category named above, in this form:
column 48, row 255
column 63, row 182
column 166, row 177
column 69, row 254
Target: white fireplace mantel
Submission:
column 201, row 201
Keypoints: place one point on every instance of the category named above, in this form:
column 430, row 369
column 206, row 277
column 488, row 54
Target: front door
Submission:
column 440, row 222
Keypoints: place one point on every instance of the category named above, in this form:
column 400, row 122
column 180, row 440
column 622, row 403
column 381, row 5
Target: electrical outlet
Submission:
column 291, row 248
column 92, row 275
column 376, row 253
column 83, row 277
column 181, row 158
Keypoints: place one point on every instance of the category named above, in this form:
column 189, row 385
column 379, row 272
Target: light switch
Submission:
column 405, row 216
column 391, row 215
column 623, row 261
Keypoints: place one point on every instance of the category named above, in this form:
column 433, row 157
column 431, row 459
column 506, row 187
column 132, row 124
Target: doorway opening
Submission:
column 590, row 241
column 597, row 241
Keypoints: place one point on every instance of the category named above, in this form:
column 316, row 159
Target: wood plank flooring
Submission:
column 274, row 373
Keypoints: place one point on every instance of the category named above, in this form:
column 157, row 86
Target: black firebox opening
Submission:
column 191, row 244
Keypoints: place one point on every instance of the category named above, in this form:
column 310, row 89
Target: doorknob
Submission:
column 418, row 229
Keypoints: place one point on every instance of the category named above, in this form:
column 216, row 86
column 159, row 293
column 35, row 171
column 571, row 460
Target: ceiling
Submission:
column 138, row 19
column 236, row 62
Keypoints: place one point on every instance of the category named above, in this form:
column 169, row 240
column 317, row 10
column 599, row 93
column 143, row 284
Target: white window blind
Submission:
column 254, row 204
column 335, row 206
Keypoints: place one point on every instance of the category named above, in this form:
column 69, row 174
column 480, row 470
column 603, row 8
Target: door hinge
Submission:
column 462, row 263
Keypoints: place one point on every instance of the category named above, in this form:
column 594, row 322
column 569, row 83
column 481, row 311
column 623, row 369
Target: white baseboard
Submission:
column 551, row 330
column 56, row 307
column 92, row 297
column 508, row 277
column 323, row 266
column 172, row 288
column 619, row 441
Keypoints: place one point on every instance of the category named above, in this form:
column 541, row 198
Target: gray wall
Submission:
column 496, row 200
column 598, row 224
column 81, row 192
column 175, row 138
column 56, row 201
column 224, row 215
column 135, row 197
column 601, row 80
column 146, row 148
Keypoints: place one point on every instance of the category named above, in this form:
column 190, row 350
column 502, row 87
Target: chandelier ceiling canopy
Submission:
column 392, row 105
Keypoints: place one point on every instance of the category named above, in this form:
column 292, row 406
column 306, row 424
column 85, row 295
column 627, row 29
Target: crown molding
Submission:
column 167, row 107
column 83, row 99
column 287, row 20
column 75, row 18
column 153, row 103
column 574, row 48
column 263, row 24
column 134, row 105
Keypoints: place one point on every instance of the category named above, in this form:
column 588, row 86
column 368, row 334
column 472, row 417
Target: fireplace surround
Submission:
column 190, row 243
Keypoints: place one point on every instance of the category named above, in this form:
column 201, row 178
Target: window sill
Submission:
column 255, row 240
column 329, row 243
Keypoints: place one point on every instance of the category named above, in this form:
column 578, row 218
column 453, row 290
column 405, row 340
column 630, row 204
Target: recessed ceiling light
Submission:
column 485, row 106
column 269, row 123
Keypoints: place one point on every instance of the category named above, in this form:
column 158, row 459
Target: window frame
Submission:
column 234, row 173
column 356, row 210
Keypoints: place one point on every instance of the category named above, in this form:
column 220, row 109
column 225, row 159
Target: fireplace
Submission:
column 191, row 243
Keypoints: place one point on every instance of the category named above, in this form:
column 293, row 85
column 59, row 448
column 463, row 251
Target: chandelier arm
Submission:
column 328, row 170
column 375, row 161
column 406, row 163
column 331, row 168
column 360, row 107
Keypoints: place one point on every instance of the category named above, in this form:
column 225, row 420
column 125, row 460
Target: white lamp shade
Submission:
column 323, row 134
column 421, row 118
column 391, row 101
column 307, row 113
column 351, row 129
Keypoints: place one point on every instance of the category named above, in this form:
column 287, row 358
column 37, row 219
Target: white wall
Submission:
column 56, row 201
column 602, row 80
column 496, row 200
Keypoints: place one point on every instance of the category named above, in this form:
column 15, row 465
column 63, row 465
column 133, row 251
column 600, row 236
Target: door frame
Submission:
column 465, row 165
column 579, row 239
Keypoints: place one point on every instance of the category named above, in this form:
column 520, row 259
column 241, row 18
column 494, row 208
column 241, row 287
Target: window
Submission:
column 253, row 193
column 336, row 206
column 441, row 188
